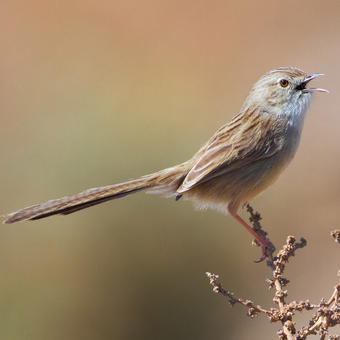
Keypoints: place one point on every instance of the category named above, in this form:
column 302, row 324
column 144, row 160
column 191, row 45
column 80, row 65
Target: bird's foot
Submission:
column 267, row 249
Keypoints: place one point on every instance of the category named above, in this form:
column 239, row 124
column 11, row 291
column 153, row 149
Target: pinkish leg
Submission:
column 265, row 243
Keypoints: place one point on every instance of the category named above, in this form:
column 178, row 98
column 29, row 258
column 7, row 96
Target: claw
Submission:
column 261, row 259
column 267, row 250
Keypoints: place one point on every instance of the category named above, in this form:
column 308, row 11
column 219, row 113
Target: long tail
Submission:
column 163, row 182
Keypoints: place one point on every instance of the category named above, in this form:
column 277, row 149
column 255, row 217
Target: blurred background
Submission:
column 97, row 92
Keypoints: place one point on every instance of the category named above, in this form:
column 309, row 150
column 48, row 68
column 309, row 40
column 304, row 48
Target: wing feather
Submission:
column 249, row 137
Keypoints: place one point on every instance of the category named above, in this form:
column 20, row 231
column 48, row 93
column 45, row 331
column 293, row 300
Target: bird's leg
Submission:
column 266, row 245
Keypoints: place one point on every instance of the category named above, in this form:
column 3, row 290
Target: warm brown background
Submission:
column 96, row 92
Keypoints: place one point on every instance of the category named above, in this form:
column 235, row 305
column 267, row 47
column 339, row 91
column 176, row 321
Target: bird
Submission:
column 240, row 160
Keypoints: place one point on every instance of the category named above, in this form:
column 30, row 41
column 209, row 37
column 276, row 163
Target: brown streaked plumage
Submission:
column 239, row 161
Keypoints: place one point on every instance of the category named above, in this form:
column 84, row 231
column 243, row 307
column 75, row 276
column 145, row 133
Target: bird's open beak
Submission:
column 310, row 77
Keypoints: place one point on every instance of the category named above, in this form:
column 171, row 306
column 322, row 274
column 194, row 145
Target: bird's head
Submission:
column 284, row 91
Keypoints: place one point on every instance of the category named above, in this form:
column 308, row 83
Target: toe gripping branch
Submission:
column 267, row 246
column 258, row 233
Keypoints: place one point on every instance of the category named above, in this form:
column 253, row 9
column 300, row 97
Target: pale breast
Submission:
column 241, row 185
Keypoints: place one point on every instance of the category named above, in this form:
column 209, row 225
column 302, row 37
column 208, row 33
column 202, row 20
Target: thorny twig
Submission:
column 327, row 314
column 255, row 219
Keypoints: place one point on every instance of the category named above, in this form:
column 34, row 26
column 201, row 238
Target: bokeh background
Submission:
column 97, row 92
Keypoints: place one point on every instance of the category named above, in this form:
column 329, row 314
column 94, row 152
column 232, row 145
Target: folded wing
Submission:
column 252, row 135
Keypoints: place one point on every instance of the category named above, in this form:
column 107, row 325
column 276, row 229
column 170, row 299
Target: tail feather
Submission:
column 68, row 204
column 165, row 181
column 80, row 206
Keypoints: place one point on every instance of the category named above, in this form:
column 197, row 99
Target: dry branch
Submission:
column 326, row 315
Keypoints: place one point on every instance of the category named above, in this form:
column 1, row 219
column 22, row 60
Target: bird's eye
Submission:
column 284, row 82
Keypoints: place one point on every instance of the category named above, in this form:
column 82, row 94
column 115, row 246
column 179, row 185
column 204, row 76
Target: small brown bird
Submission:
column 239, row 161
